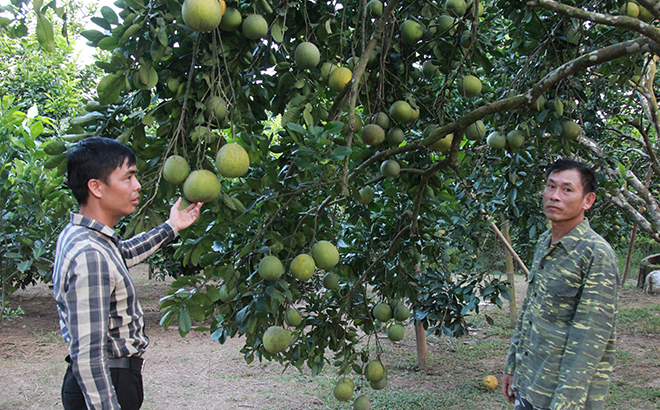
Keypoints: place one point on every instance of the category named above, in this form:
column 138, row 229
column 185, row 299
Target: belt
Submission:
column 133, row 363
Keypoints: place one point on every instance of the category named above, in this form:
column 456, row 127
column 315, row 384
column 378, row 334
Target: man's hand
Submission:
column 184, row 218
column 507, row 391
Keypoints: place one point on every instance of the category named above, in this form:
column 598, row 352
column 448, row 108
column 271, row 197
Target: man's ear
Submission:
column 588, row 200
column 94, row 188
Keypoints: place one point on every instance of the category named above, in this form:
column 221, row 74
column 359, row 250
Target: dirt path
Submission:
column 196, row 373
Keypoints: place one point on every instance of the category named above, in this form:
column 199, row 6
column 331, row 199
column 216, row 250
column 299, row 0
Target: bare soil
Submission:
column 196, row 373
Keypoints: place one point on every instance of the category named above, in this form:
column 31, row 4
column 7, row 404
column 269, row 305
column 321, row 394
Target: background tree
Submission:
column 541, row 79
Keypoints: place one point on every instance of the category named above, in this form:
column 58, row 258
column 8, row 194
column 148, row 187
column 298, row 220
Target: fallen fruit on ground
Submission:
column 489, row 382
column 303, row 267
column 390, row 168
column 175, row 170
column 232, row 161
column 254, row 27
column 374, row 371
column 202, row 15
column 201, row 186
column 383, row 312
column 271, row 268
column 307, row 55
column 325, row 255
column 276, row 339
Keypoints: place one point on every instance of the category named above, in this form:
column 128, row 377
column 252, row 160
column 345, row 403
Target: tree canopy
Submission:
column 394, row 138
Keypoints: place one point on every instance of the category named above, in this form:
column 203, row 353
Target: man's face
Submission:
column 121, row 194
column 563, row 197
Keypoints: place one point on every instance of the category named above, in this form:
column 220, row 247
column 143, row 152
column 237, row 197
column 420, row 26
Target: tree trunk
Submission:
column 513, row 314
column 422, row 352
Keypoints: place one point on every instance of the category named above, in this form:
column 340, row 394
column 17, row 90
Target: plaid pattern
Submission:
column 100, row 316
column 562, row 350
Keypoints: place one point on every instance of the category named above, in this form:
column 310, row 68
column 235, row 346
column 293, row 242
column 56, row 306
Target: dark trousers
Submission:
column 127, row 384
column 522, row 404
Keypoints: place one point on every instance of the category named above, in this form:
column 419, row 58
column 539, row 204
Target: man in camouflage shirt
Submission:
column 562, row 350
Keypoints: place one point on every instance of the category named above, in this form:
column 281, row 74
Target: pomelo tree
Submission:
column 543, row 68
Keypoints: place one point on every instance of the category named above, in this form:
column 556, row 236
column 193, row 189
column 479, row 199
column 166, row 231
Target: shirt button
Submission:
column 530, row 322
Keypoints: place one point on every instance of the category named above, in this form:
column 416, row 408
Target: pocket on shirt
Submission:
column 563, row 289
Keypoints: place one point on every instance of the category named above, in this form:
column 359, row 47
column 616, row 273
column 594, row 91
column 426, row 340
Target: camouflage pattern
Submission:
column 562, row 350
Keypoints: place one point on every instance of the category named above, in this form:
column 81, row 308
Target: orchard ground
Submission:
column 196, row 373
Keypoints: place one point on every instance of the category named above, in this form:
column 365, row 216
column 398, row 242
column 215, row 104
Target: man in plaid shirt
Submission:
column 100, row 316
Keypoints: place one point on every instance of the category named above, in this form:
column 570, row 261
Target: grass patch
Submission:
column 645, row 320
column 629, row 396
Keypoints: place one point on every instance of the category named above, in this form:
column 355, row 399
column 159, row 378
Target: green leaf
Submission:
column 108, row 43
column 341, row 152
column 94, row 36
column 185, row 322
column 109, row 15
column 292, row 126
column 101, row 23
column 45, row 34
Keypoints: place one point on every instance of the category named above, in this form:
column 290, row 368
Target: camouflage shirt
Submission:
column 562, row 350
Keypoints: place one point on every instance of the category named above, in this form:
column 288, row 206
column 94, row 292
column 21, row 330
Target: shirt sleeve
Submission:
column 590, row 333
column 87, row 297
column 140, row 247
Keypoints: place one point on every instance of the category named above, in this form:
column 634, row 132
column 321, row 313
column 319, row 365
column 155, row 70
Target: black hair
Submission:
column 587, row 175
column 94, row 158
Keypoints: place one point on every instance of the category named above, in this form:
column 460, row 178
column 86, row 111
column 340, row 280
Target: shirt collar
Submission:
column 570, row 240
column 93, row 224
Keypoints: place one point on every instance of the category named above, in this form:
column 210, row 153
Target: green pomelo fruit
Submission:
column 176, row 170
column 348, row 380
column 456, row 8
column 202, row 186
column 373, row 134
column 569, row 129
column 380, row 384
column 276, row 339
column 382, row 120
column 390, row 168
column 325, row 255
column 401, row 313
column 430, row 70
column 358, row 123
column 326, row 69
column 644, row 14
column 361, row 403
column 201, row 15
column 254, row 27
column 343, row 391
column 216, row 106
column 232, row 161
column 270, row 268
column 629, row 9
column 395, row 136
column 374, row 371
column 383, row 312
column 303, row 267
column 469, row 86
column 231, row 20
column 307, row 55
column 411, row 32
column 395, row 332
column 339, row 78
column 331, row 281
column 366, row 195
column 292, row 317
column 375, row 8
column 445, row 24
column 401, row 111
column 515, row 139
column 184, row 204
column 443, row 144
column 475, row 131
column 496, row 140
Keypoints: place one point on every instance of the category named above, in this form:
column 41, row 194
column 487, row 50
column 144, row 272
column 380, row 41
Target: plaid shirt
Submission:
column 100, row 316
column 562, row 351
